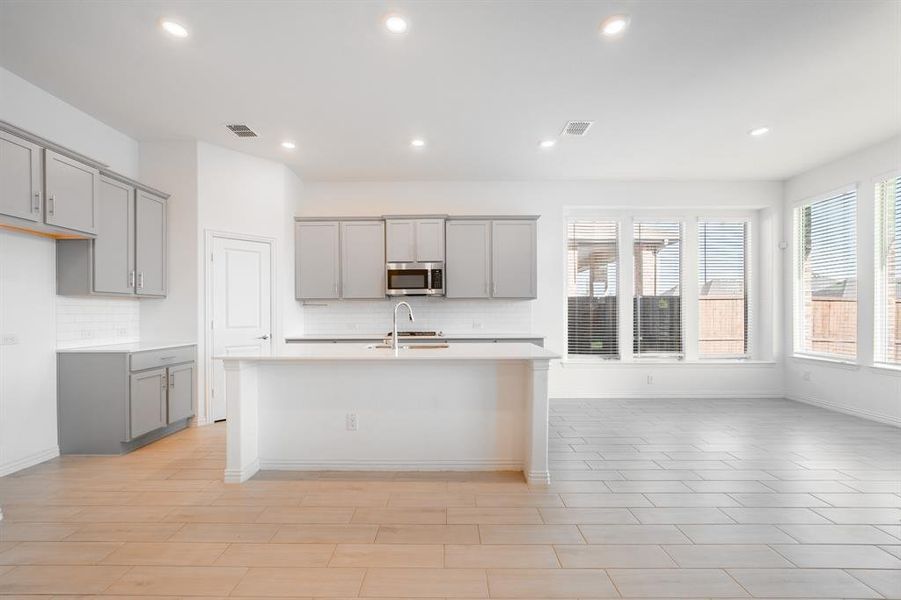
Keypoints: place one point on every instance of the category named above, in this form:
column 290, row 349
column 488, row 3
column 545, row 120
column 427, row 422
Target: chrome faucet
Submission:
column 394, row 343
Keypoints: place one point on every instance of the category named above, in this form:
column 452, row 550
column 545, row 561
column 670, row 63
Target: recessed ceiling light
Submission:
column 174, row 29
column 615, row 25
column 547, row 143
column 289, row 145
column 417, row 143
column 396, row 24
column 759, row 131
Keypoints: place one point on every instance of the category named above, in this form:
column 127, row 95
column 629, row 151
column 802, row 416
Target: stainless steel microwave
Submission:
column 414, row 279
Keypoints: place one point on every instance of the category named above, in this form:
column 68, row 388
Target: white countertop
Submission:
column 361, row 352
column 127, row 347
column 444, row 336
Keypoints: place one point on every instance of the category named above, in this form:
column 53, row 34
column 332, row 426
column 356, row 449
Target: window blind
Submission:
column 592, row 272
column 657, row 294
column 888, row 271
column 722, row 289
column 826, row 275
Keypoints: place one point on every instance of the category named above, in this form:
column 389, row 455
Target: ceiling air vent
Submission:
column 576, row 128
column 241, row 130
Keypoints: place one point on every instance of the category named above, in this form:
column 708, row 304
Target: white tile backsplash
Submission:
column 96, row 321
column 432, row 314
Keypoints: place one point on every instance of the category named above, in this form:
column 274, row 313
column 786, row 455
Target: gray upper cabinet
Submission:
column 317, row 255
column 148, row 401
column 20, row 178
column 400, row 240
column 114, row 247
column 150, row 244
column 468, row 261
column 181, row 392
column 363, row 259
column 72, row 190
column 430, row 240
column 414, row 240
column 514, row 258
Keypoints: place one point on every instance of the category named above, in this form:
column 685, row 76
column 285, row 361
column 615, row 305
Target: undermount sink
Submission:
column 407, row 346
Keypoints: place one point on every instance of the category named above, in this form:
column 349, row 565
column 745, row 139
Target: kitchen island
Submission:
column 457, row 407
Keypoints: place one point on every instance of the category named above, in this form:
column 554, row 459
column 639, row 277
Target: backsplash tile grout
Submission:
column 90, row 321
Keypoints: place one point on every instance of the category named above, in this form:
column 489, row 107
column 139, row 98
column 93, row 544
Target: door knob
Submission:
column 263, row 337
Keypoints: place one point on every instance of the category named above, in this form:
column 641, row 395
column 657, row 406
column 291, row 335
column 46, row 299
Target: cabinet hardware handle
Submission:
column 131, row 279
column 141, row 280
column 51, row 203
column 263, row 337
column 494, row 289
column 167, row 357
column 36, row 207
column 172, row 381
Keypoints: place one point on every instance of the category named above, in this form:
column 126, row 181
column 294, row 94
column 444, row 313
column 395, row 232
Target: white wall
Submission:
column 27, row 283
column 552, row 200
column 860, row 389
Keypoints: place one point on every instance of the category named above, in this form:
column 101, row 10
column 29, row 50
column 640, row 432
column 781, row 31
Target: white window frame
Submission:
column 879, row 337
column 750, row 292
column 797, row 303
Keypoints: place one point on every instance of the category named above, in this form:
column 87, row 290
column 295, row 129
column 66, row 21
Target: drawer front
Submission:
column 153, row 359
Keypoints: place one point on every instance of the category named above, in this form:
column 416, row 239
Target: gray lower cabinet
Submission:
column 128, row 256
column 72, row 192
column 20, row 178
column 110, row 402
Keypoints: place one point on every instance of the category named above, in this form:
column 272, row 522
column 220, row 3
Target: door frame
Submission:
column 204, row 408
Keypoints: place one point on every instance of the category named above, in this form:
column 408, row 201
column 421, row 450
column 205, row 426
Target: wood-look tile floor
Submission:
column 650, row 499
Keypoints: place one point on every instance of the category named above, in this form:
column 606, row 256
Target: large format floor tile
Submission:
column 650, row 499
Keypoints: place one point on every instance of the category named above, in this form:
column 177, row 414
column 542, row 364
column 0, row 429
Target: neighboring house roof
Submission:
column 723, row 286
column 834, row 289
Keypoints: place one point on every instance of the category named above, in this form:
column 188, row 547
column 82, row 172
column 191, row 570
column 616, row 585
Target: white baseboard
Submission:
column 856, row 412
column 29, row 461
column 242, row 475
column 730, row 395
column 390, row 465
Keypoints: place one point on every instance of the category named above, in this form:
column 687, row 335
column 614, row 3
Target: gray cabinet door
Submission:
column 514, row 259
column 150, row 244
column 363, row 259
column 72, row 190
column 317, row 256
column 20, row 178
column 181, row 392
column 468, row 261
column 430, row 240
column 147, row 402
column 400, row 240
column 114, row 248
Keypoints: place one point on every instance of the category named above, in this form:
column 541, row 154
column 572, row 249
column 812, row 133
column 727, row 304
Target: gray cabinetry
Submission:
column 20, row 178
column 317, row 260
column 150, row 244
column 468, row 262
column 363, row 259
column 128, row 256
column 71, row 193
column 113, row 399
column 148, row 401
column 513, row 259
column 414, row 240
column 114, row 248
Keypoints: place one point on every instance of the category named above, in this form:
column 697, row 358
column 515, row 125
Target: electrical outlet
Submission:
column 351, row 421
column 86, row 334
column 806, row 376
column 476, row 324
column 121, row 332
column 9, row 339
column 650, row 379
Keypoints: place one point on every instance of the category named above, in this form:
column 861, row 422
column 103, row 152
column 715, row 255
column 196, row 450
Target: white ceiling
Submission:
column 482, row 82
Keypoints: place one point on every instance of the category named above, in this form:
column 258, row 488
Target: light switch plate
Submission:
column 9, row 339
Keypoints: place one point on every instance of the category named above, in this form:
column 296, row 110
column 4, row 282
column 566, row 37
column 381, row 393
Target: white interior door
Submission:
column 241, row 307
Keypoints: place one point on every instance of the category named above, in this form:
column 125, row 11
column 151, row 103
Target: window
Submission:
column 888, row 271
column 592, row 266
column 722, row 289
column 657, row 295
column 826, row 276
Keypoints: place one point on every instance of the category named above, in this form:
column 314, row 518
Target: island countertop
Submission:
column 365, row 352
